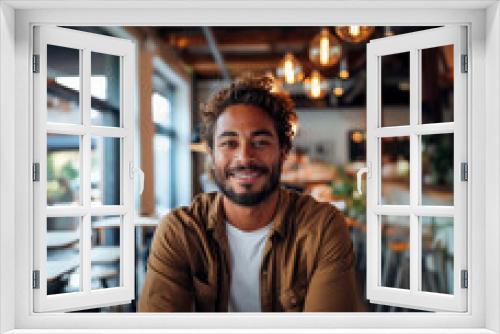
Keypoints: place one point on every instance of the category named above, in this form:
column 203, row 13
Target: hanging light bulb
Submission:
column 357, row 137
column 290, row 69
column 355, row 33
column 343, row 70
column 338, row 90
column 315, row 85
column 325, row 49
column 388, row 31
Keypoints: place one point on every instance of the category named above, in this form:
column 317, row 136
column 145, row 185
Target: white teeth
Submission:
column 245, row 175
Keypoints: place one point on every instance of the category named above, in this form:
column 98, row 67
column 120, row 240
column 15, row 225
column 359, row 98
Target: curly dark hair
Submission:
column 254, row 91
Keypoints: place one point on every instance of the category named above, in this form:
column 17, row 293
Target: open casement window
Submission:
column 83, row 170
column 417, row 155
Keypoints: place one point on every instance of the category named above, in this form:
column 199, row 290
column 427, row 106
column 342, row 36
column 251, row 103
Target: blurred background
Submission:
column 323, row 69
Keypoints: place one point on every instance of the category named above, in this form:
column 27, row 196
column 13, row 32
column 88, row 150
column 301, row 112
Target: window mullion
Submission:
column 86, row 231
column 414, row 169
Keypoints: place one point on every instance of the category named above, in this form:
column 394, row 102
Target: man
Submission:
column 253, row 246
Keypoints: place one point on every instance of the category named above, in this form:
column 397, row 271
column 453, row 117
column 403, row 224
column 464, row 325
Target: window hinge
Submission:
column 36, row 63
column 464, row 174
column 465, row 66
column 36, row 171
column 36, row 279
column 465, row 279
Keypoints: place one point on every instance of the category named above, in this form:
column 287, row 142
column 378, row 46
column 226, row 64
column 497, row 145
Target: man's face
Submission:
column 246, row 154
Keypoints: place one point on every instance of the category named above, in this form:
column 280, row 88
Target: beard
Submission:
column 248, row 198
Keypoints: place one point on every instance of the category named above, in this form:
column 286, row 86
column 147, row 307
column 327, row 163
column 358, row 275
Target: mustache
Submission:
column 249, row 168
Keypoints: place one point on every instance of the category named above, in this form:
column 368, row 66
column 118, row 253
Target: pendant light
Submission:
column 343, row 69
column 315, row 86
column 354, row 33
column 388, row 31
column 338, row 90
column 290, row 69
column 325, row 49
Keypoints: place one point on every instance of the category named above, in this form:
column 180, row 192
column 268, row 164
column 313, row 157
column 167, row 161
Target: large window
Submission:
column 398, row 275
column 481, row 129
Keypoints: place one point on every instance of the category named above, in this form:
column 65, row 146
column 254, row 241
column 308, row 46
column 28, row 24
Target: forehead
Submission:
column 243, row 118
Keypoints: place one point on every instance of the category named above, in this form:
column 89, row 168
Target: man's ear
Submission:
column 284, row 153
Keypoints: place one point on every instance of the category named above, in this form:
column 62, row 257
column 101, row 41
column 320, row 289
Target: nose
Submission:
column 245, row 153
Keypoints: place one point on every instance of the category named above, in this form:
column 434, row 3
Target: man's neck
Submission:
column 251, row 218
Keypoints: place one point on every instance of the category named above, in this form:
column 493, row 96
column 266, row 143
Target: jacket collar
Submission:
column 216, row 216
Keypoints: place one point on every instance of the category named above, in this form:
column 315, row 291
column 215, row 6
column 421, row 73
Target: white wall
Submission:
column 492, row 121
column 329, row 128
column 7, row 167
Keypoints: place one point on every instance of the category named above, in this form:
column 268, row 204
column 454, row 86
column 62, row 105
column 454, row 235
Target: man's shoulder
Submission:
column 305, row 205
column 308, row 212
column 191, row 216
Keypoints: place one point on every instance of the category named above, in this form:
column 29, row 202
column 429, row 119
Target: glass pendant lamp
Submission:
column 325, row 49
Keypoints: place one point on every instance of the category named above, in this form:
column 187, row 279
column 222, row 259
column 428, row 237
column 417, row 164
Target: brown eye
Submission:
column 261, row 142
column 229, row 144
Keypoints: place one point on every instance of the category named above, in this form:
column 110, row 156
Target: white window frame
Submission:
column 413, row 43
column 16, row 21
column 85, row 43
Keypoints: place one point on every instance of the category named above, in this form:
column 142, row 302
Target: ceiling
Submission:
column 256, row 48
column 216, row 53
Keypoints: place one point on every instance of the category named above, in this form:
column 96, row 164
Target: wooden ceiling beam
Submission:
column 236, row 36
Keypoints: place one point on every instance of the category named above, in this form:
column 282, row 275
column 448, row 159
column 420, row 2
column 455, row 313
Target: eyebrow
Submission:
column 262, row 133
column 227, row 134
column 255, row 133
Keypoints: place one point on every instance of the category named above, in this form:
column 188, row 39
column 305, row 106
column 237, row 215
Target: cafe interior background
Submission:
column 324, row 71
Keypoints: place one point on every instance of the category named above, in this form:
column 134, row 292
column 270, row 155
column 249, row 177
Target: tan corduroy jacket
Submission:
column 307, row 262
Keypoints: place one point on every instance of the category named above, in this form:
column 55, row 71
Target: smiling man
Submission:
column 253, row 246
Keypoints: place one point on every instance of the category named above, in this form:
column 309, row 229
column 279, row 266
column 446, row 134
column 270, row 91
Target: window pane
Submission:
column 437, row 169
column 143, row 238
column 105, row 253
column 437, row 84
column 63, row 255
column 105, row 171
column 160, row 106
column 395, row 89
column 63, row 84
column 395, row 170
column 63, row 169
column 437, row 254
column 162, row 173
column 395, row 251
column 105, row 89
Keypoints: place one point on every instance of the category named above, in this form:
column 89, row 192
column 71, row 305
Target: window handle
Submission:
column 360, row 172
column 137, row 170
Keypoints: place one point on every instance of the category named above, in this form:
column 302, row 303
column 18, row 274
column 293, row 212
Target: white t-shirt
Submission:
column 245, row 249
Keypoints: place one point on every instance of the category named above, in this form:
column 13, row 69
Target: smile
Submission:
column 246, row 175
